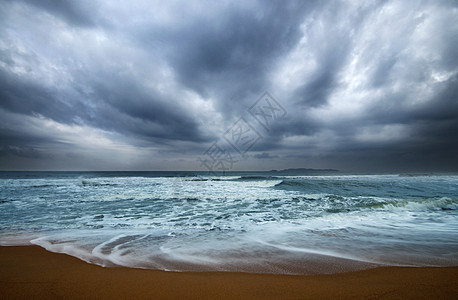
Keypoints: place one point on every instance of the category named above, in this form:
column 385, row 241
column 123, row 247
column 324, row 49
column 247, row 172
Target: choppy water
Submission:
column 240, row 222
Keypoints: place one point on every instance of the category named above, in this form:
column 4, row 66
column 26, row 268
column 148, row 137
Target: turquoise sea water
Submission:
column 250, row 222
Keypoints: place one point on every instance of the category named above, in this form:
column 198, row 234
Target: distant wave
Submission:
column 292, row 183
column 43, row 185
column 248, row 178
column 236, row 178
column 95, row 183
column 415, row 174
column 424, row 205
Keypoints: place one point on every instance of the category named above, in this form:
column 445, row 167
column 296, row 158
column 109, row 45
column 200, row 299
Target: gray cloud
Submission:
column 367, row 86
column 72, row 12
column 228, row 57
column 265, row 155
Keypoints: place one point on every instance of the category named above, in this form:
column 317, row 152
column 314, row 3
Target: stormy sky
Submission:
column 144, row 85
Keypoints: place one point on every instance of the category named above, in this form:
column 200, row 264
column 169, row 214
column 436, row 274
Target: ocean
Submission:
column 260, row 222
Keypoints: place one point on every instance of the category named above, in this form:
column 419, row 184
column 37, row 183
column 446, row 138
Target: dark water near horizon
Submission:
column 242, row 221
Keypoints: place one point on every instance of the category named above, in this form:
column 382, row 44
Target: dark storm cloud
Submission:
column 118, row 104
column 71, row 11
column 125, row 106
column 16, row 137
column 320, row 85
column 228, row 57
column 365, row 85
column 29, row 97
column 265, row 155
column 28, row 152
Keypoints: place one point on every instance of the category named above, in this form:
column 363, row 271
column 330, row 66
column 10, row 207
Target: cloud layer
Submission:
column 91, row 85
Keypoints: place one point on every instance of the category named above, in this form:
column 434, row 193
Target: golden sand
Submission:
column 30, row 272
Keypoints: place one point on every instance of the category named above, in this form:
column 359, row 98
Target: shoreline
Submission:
column 33, row 272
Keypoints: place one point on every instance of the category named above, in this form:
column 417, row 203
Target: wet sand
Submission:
column 30, row 272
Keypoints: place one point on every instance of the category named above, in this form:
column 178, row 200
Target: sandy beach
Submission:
column 33, row 273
